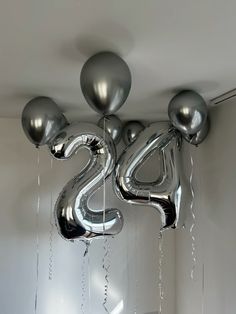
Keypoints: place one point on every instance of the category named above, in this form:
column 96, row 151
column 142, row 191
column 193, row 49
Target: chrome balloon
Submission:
column 187, row 112
column 200, row 136
column 112, row 125
column 169, row 193
column 42, row 120
column 105, row 81
column 75, row 220
column 131, row 130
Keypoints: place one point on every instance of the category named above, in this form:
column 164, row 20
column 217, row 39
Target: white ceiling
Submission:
column 168, row 44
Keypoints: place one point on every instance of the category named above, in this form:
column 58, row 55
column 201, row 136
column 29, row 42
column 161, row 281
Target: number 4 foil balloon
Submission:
column 169, row 194
column 75, row 220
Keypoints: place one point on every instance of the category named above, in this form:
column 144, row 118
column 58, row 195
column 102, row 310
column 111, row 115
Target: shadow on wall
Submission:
column 216, row 157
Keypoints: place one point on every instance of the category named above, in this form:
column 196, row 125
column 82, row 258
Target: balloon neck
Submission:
column 37, row 146
column 191, row 142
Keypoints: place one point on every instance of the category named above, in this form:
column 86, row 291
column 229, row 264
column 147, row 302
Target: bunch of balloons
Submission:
column 105, row 82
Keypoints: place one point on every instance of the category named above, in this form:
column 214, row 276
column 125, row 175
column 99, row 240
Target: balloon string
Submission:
column 192, row 228
column 37, row 233
column 50, row 268
column 160, row 279
column 136, row 268
column 87, row 243
column 104, row 180
column 89, row 288
column 83, row 285
column 203, row 288
column 106, row 267
column 106, row 248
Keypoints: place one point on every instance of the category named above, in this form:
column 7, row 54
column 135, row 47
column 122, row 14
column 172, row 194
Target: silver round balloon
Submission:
column 131, row 131
column 74, row 218
column 42, row 120
column 105, row 81
column 112, row 125
column 200, row 136
column 169, row 193
column 187, row 112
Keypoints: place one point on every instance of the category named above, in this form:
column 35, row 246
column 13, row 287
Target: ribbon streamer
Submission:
column 50, row 268
column 203, row 288
column 160, row 281
column 87, row 243
column 106, row 267
column 192, row 228
column 37, row 232
column 106, row 247
column 136, row 267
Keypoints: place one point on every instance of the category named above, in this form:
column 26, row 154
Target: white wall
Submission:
column 134, row 252
column 215, row 207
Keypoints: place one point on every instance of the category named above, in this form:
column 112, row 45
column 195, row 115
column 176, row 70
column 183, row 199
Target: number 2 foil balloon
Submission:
column 75, row 220
column 169, row 194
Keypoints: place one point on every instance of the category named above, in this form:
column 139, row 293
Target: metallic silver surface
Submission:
column 200, row 136
column 42, row 120
column 113, row 126
column 105, row 81
column 187, row 112
column 131, row 130
column 169, row 193
column 75, row 220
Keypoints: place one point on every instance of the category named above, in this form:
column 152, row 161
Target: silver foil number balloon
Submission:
column 112, row 125
column 75, row 220
column 169, row 193
column 187, row 112
column 42, row 120
column 131, row 131
column 105, row 81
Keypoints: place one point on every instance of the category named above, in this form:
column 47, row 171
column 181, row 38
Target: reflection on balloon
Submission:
column 200, row 136
column 42, row 120
column 131, row 130
column 105, row 82
column 112, row 125
column 169, row 193
column 187, row 112
column 75, row 220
